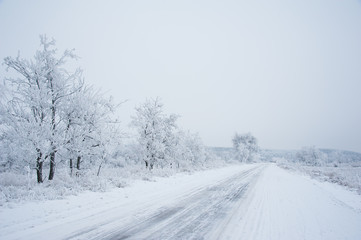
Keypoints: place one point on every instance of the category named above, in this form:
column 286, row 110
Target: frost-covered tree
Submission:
column 90, row 127
column 31, row 117
column 155, row 132
column 49, row 116
column 310, row 156
column 189, row 150
column 245, row 146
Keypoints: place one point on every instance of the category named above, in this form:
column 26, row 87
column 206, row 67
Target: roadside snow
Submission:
column 76, row 214
column 262, row 201
column 286, row 205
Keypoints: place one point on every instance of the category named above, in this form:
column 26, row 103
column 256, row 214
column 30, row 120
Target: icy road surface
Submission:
column 260, row 201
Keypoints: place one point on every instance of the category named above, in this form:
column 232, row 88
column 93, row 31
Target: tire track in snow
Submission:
column 193, row 216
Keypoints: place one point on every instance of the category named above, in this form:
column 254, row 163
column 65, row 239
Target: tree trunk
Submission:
column 78, row 160
column 53, row 113
column 39, row 167
column 152, row 161
column 52, row 165
column 71, row 166
column 100, row 166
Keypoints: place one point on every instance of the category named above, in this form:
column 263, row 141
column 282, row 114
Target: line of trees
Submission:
column 49, row 117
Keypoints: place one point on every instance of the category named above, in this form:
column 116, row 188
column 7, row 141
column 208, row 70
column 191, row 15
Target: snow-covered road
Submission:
column 260, row 201
column 194, row 214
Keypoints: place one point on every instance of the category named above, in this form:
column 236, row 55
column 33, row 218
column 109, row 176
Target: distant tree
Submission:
column 245, row 146
column 31, row 118
column 190, row 151
column 155, row 132
column 310, row 156
column 161, row 143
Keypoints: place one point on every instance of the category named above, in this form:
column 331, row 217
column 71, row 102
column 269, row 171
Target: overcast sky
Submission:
column 288, row 71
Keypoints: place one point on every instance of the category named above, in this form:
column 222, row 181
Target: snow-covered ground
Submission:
column 259, row 201
column 285, row 205
column 348, row 174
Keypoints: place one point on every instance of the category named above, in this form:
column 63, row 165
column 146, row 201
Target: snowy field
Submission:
column 258, row 201
column 347, row 175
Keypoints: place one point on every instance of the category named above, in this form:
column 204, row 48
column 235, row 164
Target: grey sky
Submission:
column 287, row 71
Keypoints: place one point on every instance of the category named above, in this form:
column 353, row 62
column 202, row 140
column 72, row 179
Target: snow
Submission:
column 254, row 201
column 284, row 205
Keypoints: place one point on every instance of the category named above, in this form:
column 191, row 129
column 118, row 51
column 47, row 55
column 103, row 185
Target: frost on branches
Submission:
column 160, row 141
column 91, row 129
column 155, row 132
column 190, row 151
column 310, row 156
column 245, row 147
column 47, row 113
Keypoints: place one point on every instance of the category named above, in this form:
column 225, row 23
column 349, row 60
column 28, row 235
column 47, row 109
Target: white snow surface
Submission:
column 256, row 201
